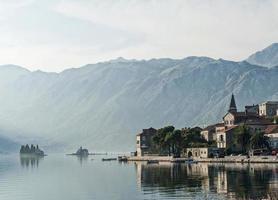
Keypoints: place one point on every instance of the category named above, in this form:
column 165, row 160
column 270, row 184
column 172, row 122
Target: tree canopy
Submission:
column 174, row 140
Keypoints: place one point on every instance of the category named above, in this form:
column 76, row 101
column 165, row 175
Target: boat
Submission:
column 108, row 159
column 177, row 161
column 152, row 162
column 191, row 161
column 122, row 158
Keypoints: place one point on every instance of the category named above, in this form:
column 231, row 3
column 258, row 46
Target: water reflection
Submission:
column 30, row 161
column 235, row 181
column 82, row 159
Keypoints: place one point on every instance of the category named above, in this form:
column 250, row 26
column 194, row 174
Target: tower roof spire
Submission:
column 232, row 107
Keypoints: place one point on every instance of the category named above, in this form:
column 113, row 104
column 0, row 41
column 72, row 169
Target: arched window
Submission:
column 221, row 138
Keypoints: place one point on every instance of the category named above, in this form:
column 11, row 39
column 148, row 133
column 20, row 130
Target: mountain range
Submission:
column 102, row 106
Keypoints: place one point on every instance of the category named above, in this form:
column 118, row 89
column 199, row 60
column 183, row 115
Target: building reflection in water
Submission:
column 30, row 161
column 235, row 181
column 82, row 159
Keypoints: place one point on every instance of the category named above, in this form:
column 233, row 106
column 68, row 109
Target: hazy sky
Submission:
column 56, row 34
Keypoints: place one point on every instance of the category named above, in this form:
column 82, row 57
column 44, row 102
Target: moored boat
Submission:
column 122, row 158
column 191, row 161
column 108, row 159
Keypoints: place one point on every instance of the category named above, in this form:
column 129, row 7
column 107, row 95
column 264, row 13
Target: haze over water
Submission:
column 60, row 177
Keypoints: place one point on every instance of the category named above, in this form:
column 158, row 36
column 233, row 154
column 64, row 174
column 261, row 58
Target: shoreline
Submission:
column 227, row 159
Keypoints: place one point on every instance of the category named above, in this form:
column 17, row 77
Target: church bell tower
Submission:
column 232, row 108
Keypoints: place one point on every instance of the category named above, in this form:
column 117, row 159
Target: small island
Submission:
column 80, row 152
column 31, row 151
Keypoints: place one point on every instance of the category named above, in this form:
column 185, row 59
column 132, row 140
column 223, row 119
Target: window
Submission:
column 221, row 138
column 138, row 141
column 143, row 138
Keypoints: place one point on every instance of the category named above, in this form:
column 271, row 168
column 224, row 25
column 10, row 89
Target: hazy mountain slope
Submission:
column 7, row 145
column 268, row 57
column 103, row 105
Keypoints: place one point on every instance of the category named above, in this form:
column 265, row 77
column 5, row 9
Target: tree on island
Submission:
column 33, row 150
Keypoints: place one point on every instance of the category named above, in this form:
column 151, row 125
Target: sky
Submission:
column 53, row 35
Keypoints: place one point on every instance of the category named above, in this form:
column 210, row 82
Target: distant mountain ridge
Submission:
column 102, row 106
column 268, row 57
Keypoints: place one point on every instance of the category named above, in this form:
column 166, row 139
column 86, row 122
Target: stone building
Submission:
column 144, row 141
column 272, row 132
column 202, row 152
column 233, row 119
column 209, row 133
column 268, row 108
column 224, row 136
column 252, row 109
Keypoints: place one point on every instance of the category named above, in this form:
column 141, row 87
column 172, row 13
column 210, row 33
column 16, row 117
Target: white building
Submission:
column 268, row 108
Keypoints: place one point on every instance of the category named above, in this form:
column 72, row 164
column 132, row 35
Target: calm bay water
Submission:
column 59, row 177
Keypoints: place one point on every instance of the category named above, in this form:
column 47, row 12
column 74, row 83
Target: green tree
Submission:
column 177, row 145
column 164, row 138
column 193, row 138
column 173, row 141
column 242, row 137
column 259, row 140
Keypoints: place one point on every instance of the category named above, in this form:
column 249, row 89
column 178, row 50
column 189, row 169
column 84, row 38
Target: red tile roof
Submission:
column 271, row 129
column 211, row 127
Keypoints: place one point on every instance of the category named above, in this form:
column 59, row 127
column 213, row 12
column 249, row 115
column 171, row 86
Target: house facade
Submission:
column 257, row 118
column 272, row 132
column 268, row 108
column 204, row 152
column 209, row 133
column 233, row 119
column 144, row 141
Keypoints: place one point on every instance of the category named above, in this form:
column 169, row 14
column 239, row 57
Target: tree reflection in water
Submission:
column 30, row 161
column 235, row 181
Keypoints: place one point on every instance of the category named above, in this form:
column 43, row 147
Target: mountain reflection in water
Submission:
column 236, row 181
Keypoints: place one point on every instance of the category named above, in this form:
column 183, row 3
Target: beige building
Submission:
column 209, row 133
column 268, row 108
column 233, row 119
column 272, row 132
column 144, row 141
column 202, row 152
column 225, row 137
